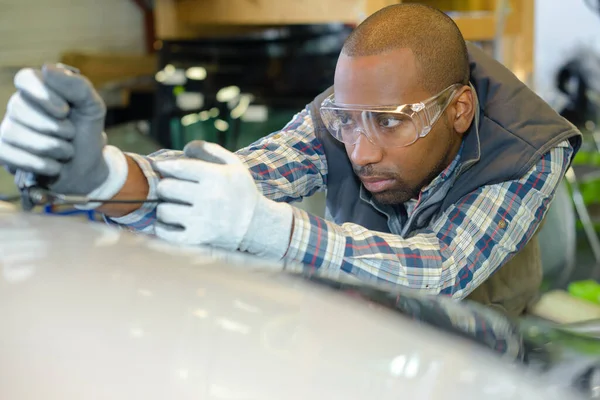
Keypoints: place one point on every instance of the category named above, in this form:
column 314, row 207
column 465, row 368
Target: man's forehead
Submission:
column 386, row 78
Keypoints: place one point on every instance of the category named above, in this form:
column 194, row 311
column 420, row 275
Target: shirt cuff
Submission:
column 316, row 243
column 144, row 216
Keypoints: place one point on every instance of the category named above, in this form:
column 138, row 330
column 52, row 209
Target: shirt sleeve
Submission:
column 290, row 164
column 459, row 251
column 287, row 166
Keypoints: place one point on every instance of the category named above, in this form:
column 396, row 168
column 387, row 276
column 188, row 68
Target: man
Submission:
column 438, row 170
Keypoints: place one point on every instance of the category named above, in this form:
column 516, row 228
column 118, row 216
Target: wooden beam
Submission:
column 104, row 68
column 269, row 12
column 478, row 27
column 194, row 18
column 518, row 40
column 167, row 22
column 376, row 5
column 181, row 19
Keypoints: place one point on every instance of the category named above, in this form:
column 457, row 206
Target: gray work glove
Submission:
column 210, row 198
column 54, row 128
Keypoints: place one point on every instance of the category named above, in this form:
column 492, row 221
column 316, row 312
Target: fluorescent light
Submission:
column 160, row 76
column 214, row 112
column 189, row 119
column 169, row 69
column 203, row 115
column 228, row 93
column 221, row 125
column 241, row 108
column 196, row 73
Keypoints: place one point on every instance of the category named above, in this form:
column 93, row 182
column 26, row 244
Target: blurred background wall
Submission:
column 34, row 32
column 562, row 30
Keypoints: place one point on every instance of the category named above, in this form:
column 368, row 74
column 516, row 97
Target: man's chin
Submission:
column 391, row 197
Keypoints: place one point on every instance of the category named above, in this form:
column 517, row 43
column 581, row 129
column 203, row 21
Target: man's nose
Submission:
column 364, row 152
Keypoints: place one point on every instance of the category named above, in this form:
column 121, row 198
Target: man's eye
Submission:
column 345, row 119
column 389, row 122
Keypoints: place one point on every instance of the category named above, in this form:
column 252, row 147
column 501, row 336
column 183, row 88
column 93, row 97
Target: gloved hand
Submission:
column 212, row 199
column 54, row 128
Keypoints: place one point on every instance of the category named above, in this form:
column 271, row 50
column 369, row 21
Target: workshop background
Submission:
column 232, row 71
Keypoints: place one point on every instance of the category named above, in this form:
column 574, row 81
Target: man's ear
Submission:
column 464, row 106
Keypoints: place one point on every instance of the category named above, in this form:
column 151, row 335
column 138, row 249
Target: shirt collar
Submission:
column 443, row 176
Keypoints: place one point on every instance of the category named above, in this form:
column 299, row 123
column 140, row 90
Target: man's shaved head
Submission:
column 436, row 42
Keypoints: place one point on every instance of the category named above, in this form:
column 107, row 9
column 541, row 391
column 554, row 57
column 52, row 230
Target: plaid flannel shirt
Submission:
column 459, row 250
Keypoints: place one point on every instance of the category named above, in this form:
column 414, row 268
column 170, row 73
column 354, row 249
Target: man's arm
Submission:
column 286, row 165
column 136, row 187
column 290, row 164
column 460, row 250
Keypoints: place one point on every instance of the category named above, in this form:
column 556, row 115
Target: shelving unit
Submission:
column 193, row 32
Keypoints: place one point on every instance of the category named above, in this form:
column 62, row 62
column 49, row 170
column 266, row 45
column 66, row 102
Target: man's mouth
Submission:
column 377, row 184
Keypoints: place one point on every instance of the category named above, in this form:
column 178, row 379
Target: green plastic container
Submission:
column 249, row 132
column 587, row 290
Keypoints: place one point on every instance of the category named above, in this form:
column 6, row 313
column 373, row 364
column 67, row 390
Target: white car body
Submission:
column 89, row 311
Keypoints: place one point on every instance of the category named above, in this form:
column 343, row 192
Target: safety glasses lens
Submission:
column 384, row 128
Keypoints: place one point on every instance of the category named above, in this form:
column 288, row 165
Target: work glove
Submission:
column 53, row 129
column 211, row 199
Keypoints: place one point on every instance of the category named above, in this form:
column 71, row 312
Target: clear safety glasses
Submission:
column 385, row 126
